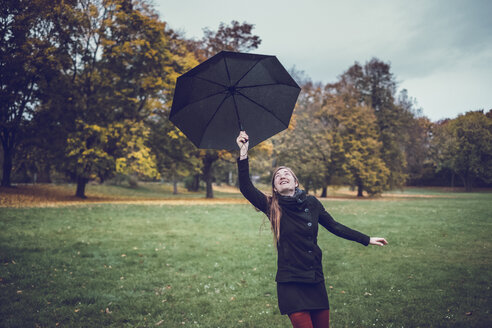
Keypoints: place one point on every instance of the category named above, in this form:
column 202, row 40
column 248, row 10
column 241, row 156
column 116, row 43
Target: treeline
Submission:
column 87, row 85
column 359, row 131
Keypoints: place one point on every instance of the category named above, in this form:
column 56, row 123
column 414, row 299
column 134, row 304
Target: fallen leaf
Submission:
column 159, row 323
column 76, row 310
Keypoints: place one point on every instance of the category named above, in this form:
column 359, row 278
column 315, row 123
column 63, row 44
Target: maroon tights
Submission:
column 311, row 319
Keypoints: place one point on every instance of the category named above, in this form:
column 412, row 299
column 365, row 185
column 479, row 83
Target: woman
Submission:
column 294, row 219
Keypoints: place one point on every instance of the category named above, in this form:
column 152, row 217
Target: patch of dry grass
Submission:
column 51, row 195
column 48, row 195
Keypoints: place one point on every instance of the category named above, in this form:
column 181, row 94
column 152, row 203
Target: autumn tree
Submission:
column 176, row 157
column 465, row 147
column 310, row 145
column 233, row 37
column 357, row 127
column 119, row 63
column 417, row 145
column 375, row 87
column 28, row 36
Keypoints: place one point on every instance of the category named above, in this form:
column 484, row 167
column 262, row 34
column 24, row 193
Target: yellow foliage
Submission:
column 175, row 134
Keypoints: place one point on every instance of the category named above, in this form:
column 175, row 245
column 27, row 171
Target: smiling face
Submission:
column 284, row 181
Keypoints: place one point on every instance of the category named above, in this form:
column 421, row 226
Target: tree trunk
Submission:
column 468, row 184
column 81, row 183
column 324, row 192
column 175, row 187
column 195, row 184
column 210, row 190
column 208, row 161
column 7, row 166
column 230, row 182
column 359, row 191
column 44, row 174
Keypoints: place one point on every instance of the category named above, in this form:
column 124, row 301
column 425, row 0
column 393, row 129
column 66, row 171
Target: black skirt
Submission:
column 297, row 296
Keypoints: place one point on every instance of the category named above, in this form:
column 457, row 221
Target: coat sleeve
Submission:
column 327, row 221
column 253, row 195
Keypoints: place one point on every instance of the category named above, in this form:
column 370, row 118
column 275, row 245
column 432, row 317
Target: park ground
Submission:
column 143, row 257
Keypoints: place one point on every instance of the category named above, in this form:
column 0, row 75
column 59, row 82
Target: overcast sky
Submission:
column 440, row 51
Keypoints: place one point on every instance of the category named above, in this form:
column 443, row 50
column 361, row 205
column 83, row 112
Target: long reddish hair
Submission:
column 274, row 209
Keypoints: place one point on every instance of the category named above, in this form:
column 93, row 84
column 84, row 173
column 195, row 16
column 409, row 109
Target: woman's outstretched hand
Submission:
column 243, row 144
column 378, row 241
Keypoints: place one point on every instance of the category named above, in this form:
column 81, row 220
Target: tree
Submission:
column 176, row 156
column 40, row 146
column 27, row 55
column 311, row 146
column 417, row 145
column 233, row 37
column 119, row 64
column 357, row 126
column 376, row 87
column 465, row 145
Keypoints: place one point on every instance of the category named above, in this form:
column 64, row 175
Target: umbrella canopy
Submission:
column 231, row 92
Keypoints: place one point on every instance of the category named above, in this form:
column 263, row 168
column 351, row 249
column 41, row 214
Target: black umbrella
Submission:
column 231, row 92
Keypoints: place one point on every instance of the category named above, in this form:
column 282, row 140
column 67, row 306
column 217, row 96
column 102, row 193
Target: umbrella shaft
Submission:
column 241, row 128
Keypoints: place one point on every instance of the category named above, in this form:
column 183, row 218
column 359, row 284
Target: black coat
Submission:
column 299, row 257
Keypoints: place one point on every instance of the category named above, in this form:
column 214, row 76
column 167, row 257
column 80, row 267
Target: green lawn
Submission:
column 209, row 265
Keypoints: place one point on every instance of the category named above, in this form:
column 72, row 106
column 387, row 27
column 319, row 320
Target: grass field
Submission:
column 159, row 265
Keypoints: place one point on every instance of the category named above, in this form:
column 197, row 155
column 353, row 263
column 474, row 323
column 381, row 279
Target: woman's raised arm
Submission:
column 253, row 195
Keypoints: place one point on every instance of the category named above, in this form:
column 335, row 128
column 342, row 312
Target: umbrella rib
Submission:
column 227, row 70
column 249, row 70
column 204, row 79
column 260, row 105
column 206, row 97
column 266, row 85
